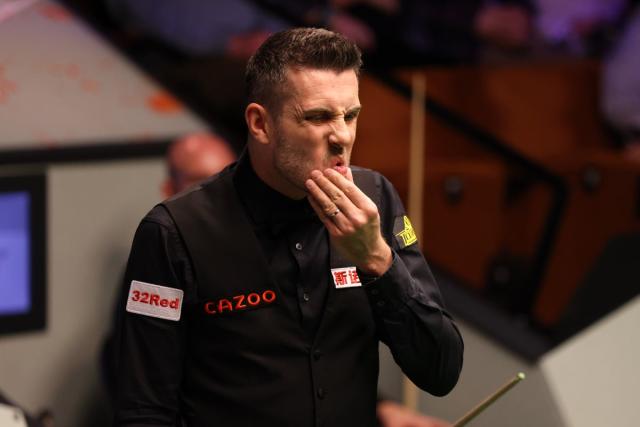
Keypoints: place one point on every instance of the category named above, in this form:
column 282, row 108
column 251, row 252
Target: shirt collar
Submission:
column 265, row 206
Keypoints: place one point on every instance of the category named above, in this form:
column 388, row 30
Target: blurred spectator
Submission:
column 621, row 86
column 435, row 31
column 578, row 27
column 193, row 158
column 236, row 27
column 199, row 49
column 392, row 414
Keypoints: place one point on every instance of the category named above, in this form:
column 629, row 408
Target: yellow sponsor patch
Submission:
column 404, row 232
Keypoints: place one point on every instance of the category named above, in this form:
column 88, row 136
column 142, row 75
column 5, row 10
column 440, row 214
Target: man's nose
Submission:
column 341, row 133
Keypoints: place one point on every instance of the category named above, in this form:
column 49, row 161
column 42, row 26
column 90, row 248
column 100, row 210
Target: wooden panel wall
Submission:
column 549, row 114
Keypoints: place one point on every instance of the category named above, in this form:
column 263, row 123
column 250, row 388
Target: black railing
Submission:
column 493, row 144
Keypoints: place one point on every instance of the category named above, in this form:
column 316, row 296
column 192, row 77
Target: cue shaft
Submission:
column 489, row 400
column 410, row 394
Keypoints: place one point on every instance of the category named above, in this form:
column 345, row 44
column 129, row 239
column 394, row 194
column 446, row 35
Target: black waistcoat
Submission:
column 249, row 361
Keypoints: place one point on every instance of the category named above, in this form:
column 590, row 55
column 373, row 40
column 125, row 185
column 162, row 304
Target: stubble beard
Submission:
column 291, row 164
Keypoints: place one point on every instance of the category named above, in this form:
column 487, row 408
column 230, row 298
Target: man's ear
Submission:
column 257, row 119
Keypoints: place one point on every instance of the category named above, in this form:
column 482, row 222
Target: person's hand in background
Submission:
column 392, row 414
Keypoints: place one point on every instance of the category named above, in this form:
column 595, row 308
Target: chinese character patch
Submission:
column 346, row 277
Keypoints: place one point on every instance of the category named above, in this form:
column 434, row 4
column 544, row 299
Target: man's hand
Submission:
column 392, row 414
column 351, row 218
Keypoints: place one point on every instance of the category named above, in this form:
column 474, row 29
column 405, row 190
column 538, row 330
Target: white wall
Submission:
column 93, row 210
column 592, row 380
column 595, row 376
column 486, row 367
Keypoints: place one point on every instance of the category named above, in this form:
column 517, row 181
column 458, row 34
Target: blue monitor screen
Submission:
column 23, row 253
column 15, row 274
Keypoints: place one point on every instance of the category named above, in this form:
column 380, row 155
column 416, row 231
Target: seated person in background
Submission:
column 577, row 27
column 204, row 45
column 423, row 32
column 234, row 28
column 193, row 158
column 431, row 29
column 621, row 86
column 209, row 43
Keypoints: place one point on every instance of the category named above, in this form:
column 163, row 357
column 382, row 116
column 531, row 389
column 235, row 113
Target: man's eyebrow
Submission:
column 354, row 110
column 317, row 110
column 320, row 110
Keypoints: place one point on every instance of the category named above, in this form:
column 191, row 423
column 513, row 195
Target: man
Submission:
column 267, row 308
column 195, row 157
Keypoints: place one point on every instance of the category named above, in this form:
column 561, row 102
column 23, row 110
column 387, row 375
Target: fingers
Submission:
column 332, row 199
column 354, row 231
column 328, row 209
column 326, row 220
column 338, row 200
column 342, row 191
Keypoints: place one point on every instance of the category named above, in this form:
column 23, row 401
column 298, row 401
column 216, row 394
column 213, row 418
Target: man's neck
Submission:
column 267, row 174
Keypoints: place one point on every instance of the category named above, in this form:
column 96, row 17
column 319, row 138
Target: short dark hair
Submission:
column 313, row 48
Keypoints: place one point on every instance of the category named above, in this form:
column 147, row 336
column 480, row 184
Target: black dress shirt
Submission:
column 405, row 301
column 294, row 241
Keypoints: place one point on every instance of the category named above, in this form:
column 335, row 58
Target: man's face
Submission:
column 316, row 127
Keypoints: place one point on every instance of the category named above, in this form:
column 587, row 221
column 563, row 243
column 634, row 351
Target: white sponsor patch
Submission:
column 346, row 277
column 154, row 300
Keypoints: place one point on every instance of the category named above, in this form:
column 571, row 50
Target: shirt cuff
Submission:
column 391, row 290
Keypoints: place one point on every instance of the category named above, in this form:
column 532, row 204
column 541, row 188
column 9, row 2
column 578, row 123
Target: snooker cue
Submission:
column 489, row 400
column 416, row 184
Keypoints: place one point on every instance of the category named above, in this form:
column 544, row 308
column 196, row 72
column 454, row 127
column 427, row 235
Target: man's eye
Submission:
column 350, row 117
column 317, row 118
